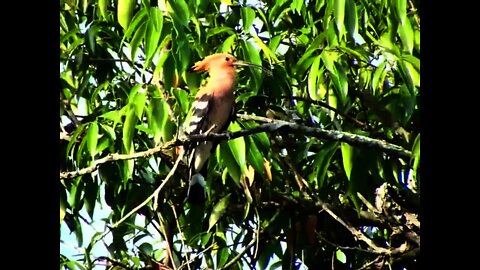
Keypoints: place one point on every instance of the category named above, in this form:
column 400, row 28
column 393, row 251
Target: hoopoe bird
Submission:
column 211, row 112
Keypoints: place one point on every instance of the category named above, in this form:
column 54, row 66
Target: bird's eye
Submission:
column 227, row 59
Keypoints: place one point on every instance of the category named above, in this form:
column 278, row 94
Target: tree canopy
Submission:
column 320, row 168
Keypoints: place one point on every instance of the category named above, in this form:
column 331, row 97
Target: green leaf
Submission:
column 78, row 231
column 255, row 157
column 226, row 159
column 412, row 60
column 401, row 10
column 152, row 35
column 222, row 256
column 92, row 138
column 218, row 30
column 157, row 18
column 228, row 44
column 139, row 19
column 354, row 53
column 157, row 117
column 180, row 11
column 75, row 195
column 312, row 79
column 146, row 248
column 306, row 60
column 347, row 157
column 351, row 19
column 74, row 138
column 90, row 194
column 125, row 10
column 296, row 5
column 272, row 58
column 110, row 131
column 139, row 100
column 377, row 75
column 405, row 31
column 103, row 8
column 248, row 15
column 322, row 161
column 274, row 42
column 90, row 38
column 340, row 82
column 340, row 16
column 340, row 256
column 237, row 146
column 137, row 39
column 252, row 55
column 416, row 154
column 218, row 211
column 129, row 129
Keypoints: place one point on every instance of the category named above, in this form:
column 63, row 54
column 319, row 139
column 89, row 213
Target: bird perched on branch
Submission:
column 212, row 111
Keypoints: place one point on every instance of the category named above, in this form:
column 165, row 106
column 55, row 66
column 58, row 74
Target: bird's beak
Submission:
column 245, row 64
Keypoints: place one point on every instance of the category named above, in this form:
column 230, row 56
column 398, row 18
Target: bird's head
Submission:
column 220, row 62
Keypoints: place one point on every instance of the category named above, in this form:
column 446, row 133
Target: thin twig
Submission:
column 359, row 235
column 367, row 265
column 154, row 194
column 180, row 232
column 325, row 105
column 239, row 255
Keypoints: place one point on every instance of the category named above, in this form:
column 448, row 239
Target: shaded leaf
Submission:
column 218, row 211
column 322, row 161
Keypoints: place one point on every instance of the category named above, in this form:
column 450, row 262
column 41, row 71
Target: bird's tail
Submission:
column 196, row 189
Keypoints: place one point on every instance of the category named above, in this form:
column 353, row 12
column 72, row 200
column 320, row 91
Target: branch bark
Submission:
column 269, row 126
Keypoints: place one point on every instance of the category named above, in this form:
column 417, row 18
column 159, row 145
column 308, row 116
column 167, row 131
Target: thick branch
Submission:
column 269, row 126
column 352, row 139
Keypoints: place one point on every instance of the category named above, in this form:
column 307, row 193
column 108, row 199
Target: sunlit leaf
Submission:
column 129, row 129
column 251, row 55
column 137, row 39
column 340, row 16
column 237, row 146
column 139, row 19
column 248, row 15
column 125, row 10
column 340, row 256
column 406, row 34
column 347, row 157
column 92, row 138
column 102, row 7
column 152, row 34
column 315, row 71
column 180, row 11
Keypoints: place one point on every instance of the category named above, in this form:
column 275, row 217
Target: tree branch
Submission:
column 352, row 139
column 270, row 125
column 325, row 105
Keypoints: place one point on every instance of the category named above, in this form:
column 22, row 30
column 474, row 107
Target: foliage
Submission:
column 274, row 198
